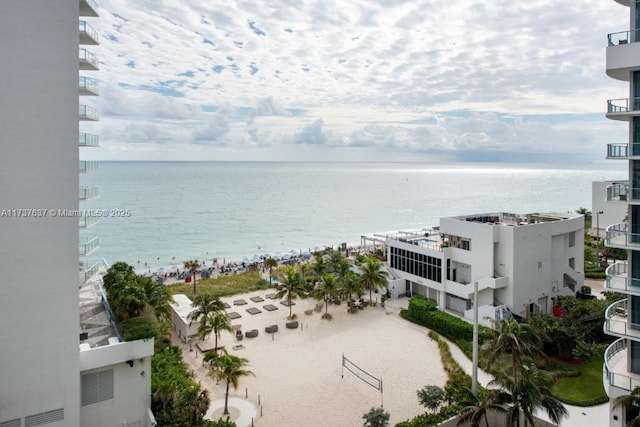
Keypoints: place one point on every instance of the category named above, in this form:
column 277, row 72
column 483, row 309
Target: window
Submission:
column 97, row 387
column 572, row 239
column 572, row 263
column 44, row 418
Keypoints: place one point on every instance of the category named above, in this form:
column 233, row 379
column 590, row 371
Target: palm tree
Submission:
column 192, row 404
column 376, row 417
column 372, row 275
column 205, row 327
column 128, row 299
column 157, row 297
column 229, row 368
column 519, row 340
column 319, row 266
column 290, row 286
column 204, row 306
column 631, row 400
column 270, row 263
column 193, row 267
column 326, row 290
column 531, row 391
column 118, row 272
column 220, row 322
column 481, row 403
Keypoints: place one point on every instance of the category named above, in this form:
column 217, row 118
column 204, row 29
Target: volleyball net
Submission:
column 363, row 375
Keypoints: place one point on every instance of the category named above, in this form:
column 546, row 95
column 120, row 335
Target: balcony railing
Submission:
column 618, row 236
column 623, row 105
column 616, row 321
column 89, row 8
column 85, row 221
column 87, row 34
column 87, row 193
column 88, row 166
column 88, row 270
column 618, row 280
column 618, row 191
column 86, row 112
column 88, row 140
column 623, row 37
column 88, row 61
column 89, row 246
column 88, row 86
column 620, row 377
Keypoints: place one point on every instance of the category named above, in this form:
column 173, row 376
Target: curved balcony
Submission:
column 88, row 140
column 86, row 166
column 623, row 108
column 619, row 192
column 87, row 271
column 87, row 60
column 87, row 193
column 87, row 113
column 88, row 246
column 88, row 35
column 622, row 54
column 88, row 87
column 615, row 373
column 617, row 322
column 90, row 8
column 623, row 151
column 618, row 280
column 618, row 236
column 85, row 221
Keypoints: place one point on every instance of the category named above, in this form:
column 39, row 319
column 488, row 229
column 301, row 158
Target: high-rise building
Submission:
column 52, row 371
column 622, row 319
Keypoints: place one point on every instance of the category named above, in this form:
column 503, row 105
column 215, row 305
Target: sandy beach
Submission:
column 298, row 372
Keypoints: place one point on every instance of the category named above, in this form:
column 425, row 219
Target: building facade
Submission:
column 520, row 262
column 622, row 319
column 58, row 365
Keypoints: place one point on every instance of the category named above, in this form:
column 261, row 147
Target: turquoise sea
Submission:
column 202, row 210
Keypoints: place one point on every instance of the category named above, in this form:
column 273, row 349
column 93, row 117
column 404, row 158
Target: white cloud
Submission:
column 403, row 77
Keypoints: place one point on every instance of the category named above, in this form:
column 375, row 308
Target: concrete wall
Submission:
column 132, row 384
column 39, row 170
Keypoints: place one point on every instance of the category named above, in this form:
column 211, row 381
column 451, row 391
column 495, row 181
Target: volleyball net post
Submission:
column 363, row 375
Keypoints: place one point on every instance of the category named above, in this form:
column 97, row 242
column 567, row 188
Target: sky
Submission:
column 356, row 80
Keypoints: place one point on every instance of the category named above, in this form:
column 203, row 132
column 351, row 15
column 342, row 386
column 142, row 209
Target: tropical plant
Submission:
column 118, row 272
column 128, row 298
column 431, row 396
column 193, row 267
column 204, row 306
column 372, row 275
column 326, row 290
column 156, row 296
column 220, row 322
column 376, row 417
column 476, row 406
column 270, row 263
column 230, row 369
column 527, row 393
column 319, row 266
column 290, row 286
column 631, row 400
column 192, row 403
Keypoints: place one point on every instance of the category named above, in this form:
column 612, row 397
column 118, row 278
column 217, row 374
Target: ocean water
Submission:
column 175, row 211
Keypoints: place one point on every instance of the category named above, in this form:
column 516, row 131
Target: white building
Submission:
column 47, row 377
column 181, row 309
column 608, row 205
column 520, row 262
column 622, row 319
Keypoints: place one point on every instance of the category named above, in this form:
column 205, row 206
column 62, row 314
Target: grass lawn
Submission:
column 585, row 389
column 222, row 286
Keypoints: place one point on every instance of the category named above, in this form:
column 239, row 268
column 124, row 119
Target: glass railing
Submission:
column 88, row 166
column 88, row 193
column 92, row 4
column 618, row 191
column 623, row 37
column 90, row 85
column 623, row 105
column 87, row 113
column 618, row 150
column 618, row 235
column 89, row 246
column 618, row 280
column 85, row 221
column 88, row 270
column 618, row 379
column 88, row 140
column 88, row 29
column 88, row 57
column 616, row 320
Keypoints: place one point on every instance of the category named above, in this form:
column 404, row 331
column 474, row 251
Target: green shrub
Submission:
column 138, row 328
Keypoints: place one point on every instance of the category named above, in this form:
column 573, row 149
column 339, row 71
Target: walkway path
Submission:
column 245, row 410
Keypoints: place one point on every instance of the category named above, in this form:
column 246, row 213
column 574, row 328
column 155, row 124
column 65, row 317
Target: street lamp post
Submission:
column 598, row 233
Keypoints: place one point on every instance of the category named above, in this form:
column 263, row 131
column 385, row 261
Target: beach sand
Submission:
column 298, row 372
